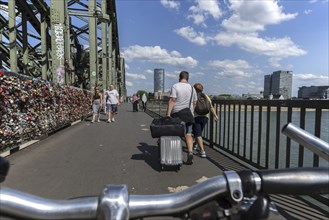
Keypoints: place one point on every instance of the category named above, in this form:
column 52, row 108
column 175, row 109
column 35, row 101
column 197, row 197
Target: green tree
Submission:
column 141, row 92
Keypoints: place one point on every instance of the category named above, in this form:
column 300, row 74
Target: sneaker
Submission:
column 92, row 121
column 203, row 154
column 98, row 120
column 109, row 121
column 195, row 146
column 189, row 159
column 113, row 120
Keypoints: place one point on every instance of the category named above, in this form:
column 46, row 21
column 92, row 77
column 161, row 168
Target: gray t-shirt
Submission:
column 182, row 93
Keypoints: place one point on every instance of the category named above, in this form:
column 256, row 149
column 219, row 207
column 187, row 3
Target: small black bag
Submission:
column 185, row 115
column 167, row 126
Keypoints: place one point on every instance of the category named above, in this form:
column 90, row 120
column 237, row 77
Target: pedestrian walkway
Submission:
column 82, row 159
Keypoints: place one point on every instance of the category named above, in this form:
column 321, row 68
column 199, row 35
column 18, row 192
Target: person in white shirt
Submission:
column 144, row 100
column 112, row 102
column 183, row 95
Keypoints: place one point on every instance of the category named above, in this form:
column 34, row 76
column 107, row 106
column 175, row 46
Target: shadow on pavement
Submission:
column 150, row 154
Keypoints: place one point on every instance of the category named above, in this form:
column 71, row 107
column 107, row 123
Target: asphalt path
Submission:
column 80, row 160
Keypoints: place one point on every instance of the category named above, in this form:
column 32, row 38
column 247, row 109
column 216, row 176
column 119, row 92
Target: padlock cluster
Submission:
column 31, row 108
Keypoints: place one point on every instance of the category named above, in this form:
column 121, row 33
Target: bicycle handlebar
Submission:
column 27, row 206
column 286, row 181
column 295, row 181
column 308, row 140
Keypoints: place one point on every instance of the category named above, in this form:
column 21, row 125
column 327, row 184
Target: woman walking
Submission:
column 96, row 103
column 201, row 119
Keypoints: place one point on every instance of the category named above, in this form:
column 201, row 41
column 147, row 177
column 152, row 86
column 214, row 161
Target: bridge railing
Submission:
column 250, row 130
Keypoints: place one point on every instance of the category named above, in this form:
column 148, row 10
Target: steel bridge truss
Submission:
column 71, row 42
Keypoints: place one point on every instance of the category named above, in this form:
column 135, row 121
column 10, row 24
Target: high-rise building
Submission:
column 313, row 92
column 278, row 84
column 267, row 85
column 159, row 80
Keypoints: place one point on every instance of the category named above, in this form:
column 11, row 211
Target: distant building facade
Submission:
column 159, row 80
column 252, row 96
column 161, row 95
column 313, row 92
column 278, row 84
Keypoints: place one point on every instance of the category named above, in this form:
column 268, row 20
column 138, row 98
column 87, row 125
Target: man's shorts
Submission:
column 189, row 128
column 112, row 107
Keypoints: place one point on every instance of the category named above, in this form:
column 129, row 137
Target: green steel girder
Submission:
column 32, row 52
column 24, row 6
column 34, row 9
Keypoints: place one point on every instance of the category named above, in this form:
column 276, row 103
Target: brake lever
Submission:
column 259, row 208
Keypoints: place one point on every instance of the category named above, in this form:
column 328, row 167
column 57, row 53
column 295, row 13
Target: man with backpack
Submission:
column 201, row 115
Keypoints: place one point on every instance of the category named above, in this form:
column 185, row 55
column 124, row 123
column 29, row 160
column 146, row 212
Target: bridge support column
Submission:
column 58, row 8
column 115, row 68
column 44, row 52
column 1, row 67
column 105, row 53
column 93, row 58
column 25, row 44
column 111, row 56
column 12, row 35
column 67, row 46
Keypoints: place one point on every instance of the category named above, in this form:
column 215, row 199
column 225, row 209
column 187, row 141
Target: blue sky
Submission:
column 226, row 45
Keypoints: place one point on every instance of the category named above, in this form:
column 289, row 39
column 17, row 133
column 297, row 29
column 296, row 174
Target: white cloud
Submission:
column 232, row 68
column 129, row 84
column 172, row 75
column 170, row 4
column 203, row 9
column 250, row 86
column 275, row 48
column 309, row 76
column 308, row 79
column 197, row 74
column 135, row 76
column 149, row 71
column 189, row 33
column 230, row 64
column 309, row 11
column 251, row 16
column 158, row 55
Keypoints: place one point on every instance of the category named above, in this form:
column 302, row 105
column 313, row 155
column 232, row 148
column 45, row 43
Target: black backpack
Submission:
column 202, row 105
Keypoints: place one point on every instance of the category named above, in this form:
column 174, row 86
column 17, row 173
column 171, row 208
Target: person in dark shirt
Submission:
column 96, row 103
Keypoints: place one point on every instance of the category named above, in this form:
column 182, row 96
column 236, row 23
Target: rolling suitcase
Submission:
column 171, row 151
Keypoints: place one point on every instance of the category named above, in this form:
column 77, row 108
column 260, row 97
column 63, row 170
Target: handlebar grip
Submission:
column 302, row 181
column 4, row 168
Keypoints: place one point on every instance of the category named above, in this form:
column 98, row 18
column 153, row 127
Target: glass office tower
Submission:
column 159, row 80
